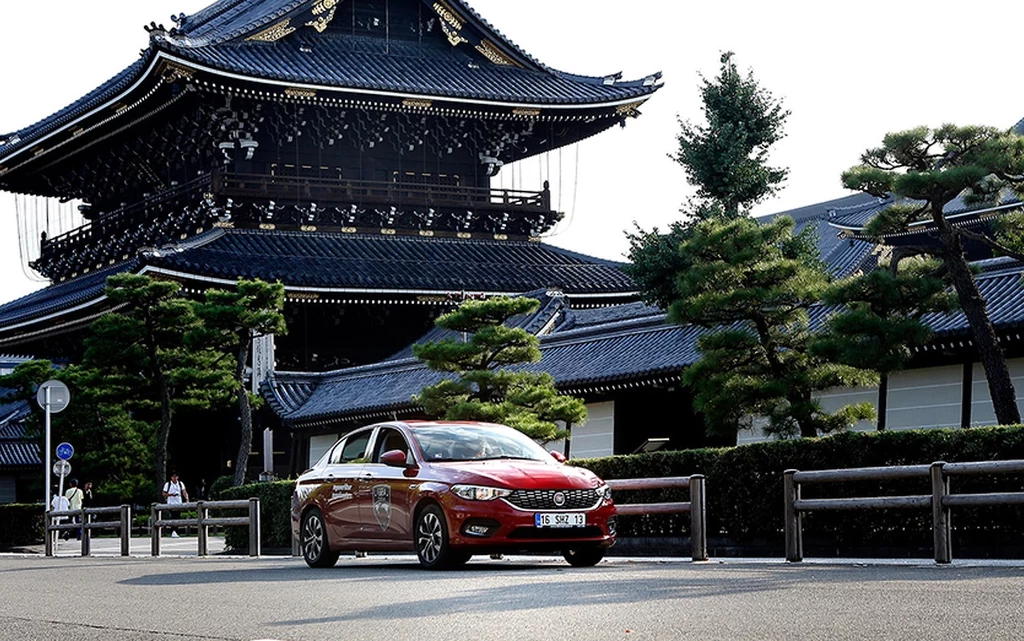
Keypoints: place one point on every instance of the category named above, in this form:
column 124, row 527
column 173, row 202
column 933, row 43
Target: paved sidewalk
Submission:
column 139, row 546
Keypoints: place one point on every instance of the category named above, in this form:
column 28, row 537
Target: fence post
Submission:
column 793, row 526
column 940, row 515
column 698, row 519
column 84, row 519
column 126, row 529
column 47, row 532
column 204, row 530
column 154, row 530
column 254, row 527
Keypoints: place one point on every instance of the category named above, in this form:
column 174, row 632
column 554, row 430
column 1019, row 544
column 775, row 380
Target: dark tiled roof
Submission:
column 59, row 297
column 16, row 451
column 376, row 262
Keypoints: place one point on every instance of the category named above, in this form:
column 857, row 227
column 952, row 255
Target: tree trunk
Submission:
column 1000, row 386
column 883, row 399
column 244, row 415
column 163, row 434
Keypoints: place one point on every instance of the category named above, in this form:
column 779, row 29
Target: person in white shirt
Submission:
column 74, row 496
column 174, row 494
column 59, row 503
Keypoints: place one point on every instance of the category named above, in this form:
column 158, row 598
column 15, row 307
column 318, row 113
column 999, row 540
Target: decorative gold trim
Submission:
column 299, row 92
column 274, row 33
column 308, row 227
column 387, row 231
column 227, row 225
column 464, row 234
column 451, row 22
column 501, row 237
column 303, row 296
column 3, row 170
column 324, row 10
column 349, row 230
column 38, row 150
column 175, row 71
column 268, row 226
column 78, row 132
column 519, row 111
column 630, row 110
column 426, row 232
column 535, row 239
column 120, row 108
column 417, row 103
column 489, row 51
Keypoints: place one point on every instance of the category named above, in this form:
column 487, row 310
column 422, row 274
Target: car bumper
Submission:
column 496, row 526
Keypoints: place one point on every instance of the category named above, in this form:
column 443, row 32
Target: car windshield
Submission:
column 476, row 443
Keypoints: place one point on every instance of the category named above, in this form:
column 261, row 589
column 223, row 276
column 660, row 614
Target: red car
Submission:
column 449, row 491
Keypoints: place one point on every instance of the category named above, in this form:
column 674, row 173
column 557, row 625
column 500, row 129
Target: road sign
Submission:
column 60, row 396
column 65, row 451
column 61, row 468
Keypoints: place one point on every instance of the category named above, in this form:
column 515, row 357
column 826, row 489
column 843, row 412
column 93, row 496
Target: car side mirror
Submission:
column 395, row 458
column 558, row 456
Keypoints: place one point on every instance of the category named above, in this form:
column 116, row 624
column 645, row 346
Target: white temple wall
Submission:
column 595, row 437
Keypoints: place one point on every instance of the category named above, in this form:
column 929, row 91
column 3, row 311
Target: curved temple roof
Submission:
column 288, row 43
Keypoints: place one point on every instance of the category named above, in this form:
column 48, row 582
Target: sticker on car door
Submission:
column 382, row 505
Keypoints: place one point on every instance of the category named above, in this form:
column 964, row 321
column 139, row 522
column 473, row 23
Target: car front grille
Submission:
column 545, row 499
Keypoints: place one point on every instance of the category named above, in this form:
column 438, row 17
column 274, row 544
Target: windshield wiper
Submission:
column 506, row 458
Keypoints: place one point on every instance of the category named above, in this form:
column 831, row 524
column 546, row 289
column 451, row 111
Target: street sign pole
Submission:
column 46, row 470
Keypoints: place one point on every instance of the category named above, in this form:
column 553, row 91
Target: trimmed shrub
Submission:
column 20, row 524
column 744, row 485
column 275, row 515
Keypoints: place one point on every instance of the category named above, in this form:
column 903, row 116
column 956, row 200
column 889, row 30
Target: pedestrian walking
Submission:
column 75, row 495
column 87, row 498
column 59, row 503
column 174, row 494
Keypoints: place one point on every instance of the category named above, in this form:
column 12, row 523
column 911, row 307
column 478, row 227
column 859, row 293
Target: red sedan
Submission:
column 449, row 491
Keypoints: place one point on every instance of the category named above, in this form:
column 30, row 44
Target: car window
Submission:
column 352, row 449
column 389, row 439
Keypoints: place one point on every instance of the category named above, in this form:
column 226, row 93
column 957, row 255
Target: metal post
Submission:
column 793, row 526
column 47, row 532
column 126, row 529
column 204, row 530
column 84, row 519
column 254, row 527
column 698, row 519
column 940, row 515
column 46, row 470
column 154, row 530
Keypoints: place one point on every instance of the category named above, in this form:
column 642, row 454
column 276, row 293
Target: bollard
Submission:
column 48, row 534
column 154, row 530
column 940, row 515
column 126, row 529
column 698, row 519
column 254, row 527
column 204, row 530
column 84, row 520
column 793, row 526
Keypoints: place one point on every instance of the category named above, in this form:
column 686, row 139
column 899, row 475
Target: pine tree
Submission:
column 229, row 321
column 926, row 169
column 878, row 322
column 485, row 386
column 751, row 285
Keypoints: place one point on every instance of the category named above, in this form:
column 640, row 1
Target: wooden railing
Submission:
column 695, row 506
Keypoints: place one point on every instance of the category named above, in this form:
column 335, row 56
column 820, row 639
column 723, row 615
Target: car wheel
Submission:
column 583, row 557
column 432, row 546
column 316, row 549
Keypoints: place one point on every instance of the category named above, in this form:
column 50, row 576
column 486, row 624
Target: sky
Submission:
column 848, row 72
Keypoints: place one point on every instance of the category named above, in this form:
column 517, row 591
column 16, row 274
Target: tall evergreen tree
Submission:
column 230, row 320
column 926, row 169
column 751, row 285
column 140, row 358
column 878, row 322
column 486, row 388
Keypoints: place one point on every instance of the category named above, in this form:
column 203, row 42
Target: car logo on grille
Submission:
column 559, row 499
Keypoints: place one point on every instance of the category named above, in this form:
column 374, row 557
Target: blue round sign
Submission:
column 65, row 451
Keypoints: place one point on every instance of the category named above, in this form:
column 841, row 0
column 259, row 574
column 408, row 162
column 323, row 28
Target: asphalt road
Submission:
column 383, row 598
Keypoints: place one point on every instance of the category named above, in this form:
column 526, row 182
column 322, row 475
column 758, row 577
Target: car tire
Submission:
column 583, row 557
column 430, row 537
column 316, row 548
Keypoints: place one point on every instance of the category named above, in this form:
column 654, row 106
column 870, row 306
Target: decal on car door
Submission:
column 382, row 505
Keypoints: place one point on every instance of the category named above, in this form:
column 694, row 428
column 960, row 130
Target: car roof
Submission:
column 423, row 424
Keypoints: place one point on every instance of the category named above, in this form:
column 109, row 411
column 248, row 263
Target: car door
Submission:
column 385, row 492
column 341, row 475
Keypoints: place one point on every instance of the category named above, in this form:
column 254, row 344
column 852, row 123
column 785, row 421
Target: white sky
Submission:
column 849, row 72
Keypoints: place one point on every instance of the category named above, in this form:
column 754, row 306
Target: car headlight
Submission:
column 479, row 492
column 604, row 492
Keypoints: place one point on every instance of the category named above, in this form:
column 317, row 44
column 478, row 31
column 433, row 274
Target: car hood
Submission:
column 529, row 475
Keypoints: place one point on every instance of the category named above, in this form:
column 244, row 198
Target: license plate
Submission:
column 560, row 519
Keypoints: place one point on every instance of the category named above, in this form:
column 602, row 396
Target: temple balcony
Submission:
column 295, row 203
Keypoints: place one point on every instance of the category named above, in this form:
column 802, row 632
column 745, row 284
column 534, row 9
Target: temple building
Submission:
column 345, row 148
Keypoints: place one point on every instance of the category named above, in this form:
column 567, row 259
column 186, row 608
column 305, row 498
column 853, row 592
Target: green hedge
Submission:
column 744, row 485
column 20, row 524
column 275, row 514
